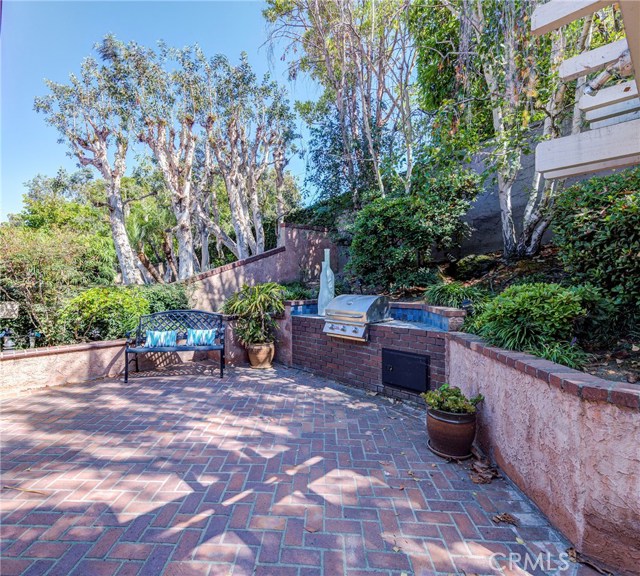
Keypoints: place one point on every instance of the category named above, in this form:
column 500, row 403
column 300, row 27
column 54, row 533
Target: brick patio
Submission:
column 273, row 472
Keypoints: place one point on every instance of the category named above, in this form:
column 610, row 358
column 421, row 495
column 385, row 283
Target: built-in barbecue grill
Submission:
column 348, row 316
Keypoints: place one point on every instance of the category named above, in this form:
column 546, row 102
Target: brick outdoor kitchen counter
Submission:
column 360, row 363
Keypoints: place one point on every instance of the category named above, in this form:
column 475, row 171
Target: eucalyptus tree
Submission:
column 163, row 107
column 362, row 53
column 95, row 127
column 246, row 122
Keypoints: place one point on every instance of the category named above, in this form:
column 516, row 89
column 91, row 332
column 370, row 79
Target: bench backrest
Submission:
column 180, row 321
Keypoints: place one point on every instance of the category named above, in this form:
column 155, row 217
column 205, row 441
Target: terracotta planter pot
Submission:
column 451, row 435
column 261, row 355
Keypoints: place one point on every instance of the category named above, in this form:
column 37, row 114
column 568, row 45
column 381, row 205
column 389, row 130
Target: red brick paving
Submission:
column 265, row 472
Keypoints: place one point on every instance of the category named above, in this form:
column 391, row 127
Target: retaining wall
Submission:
column 569, row 440
column 299, row 257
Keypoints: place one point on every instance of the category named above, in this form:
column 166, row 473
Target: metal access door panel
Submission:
column 405, row 370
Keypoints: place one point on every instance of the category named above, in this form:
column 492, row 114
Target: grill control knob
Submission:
column 355, row 330
column 344, row 328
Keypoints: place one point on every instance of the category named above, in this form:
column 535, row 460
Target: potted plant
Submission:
column 255, row 308
column 451, row 421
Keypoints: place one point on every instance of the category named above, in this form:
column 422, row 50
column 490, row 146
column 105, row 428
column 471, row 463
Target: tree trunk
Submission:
column 506, row 214
column 205, row 261
column 167, row 248
column 149, row 267
column 124, row 252
column 185, row 244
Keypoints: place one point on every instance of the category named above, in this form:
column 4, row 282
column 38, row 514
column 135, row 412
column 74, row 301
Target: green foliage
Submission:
column 528, row 316
column 324, row 212
column 454, row 294
column 163, row 297
column 473, row 266
column 103, row 313
column 298, row 291
column 395, row 235
column 451, row 399
column 565, row 353
column 40, row 269
column 597, row 231
column 255, row 308
column 408, row 280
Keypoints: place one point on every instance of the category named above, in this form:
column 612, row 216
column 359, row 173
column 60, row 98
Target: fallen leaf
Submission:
column 371, row 393
column 397, row 549
column 310, row 529
column 519, row 540
column 632, row 378
column 401, row 487
column 505, row 518
column 635, row 348
column 482, row 472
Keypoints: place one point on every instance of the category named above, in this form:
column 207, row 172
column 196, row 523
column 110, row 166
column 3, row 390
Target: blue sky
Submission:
column 49, row 39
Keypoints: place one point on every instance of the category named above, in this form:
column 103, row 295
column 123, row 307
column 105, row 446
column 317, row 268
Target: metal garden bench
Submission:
column 179, row 321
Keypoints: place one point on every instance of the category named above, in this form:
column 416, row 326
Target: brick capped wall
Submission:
column 360, row 363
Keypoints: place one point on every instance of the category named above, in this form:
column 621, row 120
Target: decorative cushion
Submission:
column 160, row 338
column 201, row 337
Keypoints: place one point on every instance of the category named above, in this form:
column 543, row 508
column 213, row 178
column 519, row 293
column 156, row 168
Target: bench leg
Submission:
column 221, row 363
column 137, row 368
column 126, row 366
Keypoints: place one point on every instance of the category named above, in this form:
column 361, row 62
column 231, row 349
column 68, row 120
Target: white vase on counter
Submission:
column 327, row 283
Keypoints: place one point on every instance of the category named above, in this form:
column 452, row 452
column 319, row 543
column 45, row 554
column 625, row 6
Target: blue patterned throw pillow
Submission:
column 201, row 337
column 160, row 338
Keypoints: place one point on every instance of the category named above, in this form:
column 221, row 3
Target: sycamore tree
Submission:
column 96, row 127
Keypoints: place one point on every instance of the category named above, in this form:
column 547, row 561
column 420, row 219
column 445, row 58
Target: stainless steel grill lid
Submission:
column 348, row 316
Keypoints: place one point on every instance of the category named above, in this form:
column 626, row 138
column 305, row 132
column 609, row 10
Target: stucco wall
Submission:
column 24, row 370
column 299, row 257
column 570, row 441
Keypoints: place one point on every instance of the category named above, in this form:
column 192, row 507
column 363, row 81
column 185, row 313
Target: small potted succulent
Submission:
column 255, row 308
column 451, row 421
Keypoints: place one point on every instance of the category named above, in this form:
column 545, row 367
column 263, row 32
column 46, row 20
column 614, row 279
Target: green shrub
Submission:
column 103, row 313
column 602, row 322
column 528, row 316
column 473, row 266
column 297, row 291
column 565, row 353
column 597, row 230
column 163, row 297
column 407, row 280
column 454, row 294
column 395, row 235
